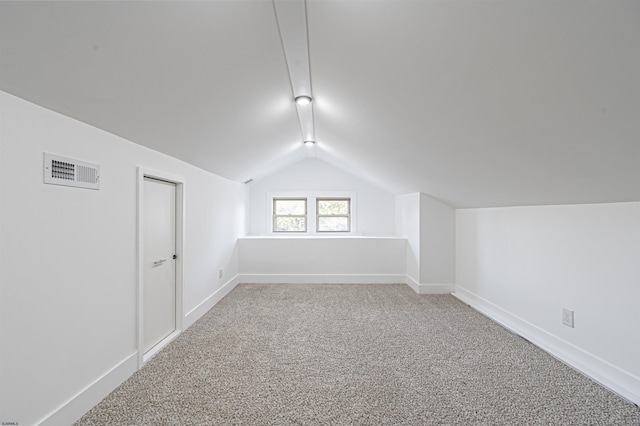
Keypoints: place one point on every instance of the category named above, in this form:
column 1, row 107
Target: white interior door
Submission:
column 159, row 248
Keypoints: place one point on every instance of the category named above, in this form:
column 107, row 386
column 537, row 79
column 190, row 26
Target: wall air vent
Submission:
column 70, row 172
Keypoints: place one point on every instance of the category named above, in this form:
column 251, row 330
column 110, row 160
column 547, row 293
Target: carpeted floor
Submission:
column 354, row 354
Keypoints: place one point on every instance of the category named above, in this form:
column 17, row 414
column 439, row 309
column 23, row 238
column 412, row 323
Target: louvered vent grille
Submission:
column 70, row 172
column 87, row 174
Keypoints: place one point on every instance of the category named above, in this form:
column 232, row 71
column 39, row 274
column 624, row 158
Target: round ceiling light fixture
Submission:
column 309, row 143
column 303, row 100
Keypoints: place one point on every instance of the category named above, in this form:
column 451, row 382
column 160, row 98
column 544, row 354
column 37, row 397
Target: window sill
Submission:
column 311, row 236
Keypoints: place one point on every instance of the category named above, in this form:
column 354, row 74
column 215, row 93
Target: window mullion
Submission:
column 312, row 213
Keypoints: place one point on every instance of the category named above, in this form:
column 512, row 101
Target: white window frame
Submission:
column 318, row 215
column 311, row 197
column 275, row 216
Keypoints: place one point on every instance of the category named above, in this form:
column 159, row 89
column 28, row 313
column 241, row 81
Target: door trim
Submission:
column 179, row 182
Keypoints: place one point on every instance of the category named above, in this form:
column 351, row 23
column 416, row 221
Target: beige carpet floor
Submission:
column 354, row 354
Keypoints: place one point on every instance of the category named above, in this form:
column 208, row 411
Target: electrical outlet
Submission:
column 219, row 273
column 567, row 317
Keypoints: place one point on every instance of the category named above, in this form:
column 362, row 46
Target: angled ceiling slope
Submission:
column 477, row 103
column 205, row 82
column 482, row 103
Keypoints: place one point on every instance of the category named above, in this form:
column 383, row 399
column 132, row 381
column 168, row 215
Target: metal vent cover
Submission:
column 67, row 171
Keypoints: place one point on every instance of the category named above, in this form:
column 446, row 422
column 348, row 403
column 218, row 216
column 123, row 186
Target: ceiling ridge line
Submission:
column 306, row 24
column 292, row 21
column 284, row 52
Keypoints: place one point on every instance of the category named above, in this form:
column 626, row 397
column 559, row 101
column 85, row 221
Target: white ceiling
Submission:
column 478, row 103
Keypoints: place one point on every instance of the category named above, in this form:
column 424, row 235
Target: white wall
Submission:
column 429, row 227
column 309, row 258
column 375, row 208
column 437, row 243
column 408, row 226
column 522, row 265
column 322, row 259
column 68, row 259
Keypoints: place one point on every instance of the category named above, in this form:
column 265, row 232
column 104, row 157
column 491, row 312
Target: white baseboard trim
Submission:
column 608, row 375
column 415, row 285
column 429, row 288
column 159, row 347
column 322, row 279
column 83, row 401
column 196, row 313
column 347, row 279
column 77, row 406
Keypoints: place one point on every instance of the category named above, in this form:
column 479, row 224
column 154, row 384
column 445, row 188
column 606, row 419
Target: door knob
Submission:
column 159, row 262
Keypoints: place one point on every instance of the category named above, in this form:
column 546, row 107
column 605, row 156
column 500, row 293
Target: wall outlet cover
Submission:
column 567, row 317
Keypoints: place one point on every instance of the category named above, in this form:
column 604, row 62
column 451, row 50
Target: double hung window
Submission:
column 312, row 213
column 333, row 215
column 289, row 215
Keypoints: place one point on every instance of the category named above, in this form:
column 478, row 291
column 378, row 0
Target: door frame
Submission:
column 179, row 182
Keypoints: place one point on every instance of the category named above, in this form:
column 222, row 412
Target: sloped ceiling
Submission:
column 478, row 103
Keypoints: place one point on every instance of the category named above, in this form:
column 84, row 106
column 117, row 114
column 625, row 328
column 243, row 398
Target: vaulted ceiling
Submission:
column 475, row 102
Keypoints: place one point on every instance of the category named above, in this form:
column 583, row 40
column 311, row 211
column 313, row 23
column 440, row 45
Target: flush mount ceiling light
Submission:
column 309, row 143
column 303, row 100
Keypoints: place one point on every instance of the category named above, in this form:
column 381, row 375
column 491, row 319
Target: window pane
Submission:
column 291, row 224
column 327, row 207
column 333, row 224
column 290, row 207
